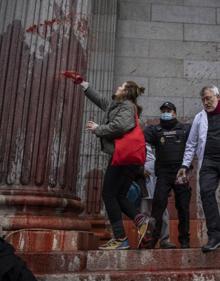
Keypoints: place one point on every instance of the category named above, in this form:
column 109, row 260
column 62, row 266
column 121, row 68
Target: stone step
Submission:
column 152, row 260
column 42, row 240
column 187, row 275
column 126, row 260
column 55, row 262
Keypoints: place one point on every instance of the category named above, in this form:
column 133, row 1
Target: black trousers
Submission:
column 209, row 179
column 165, row 182
column 117, row 182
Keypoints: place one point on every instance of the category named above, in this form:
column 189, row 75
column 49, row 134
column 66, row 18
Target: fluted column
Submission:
column 41, row 113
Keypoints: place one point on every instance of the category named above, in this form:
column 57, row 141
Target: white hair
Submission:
column 211, row 88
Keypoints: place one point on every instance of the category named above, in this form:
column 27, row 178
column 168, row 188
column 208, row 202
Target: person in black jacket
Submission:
column 169, row 138
column 12, row 268
column 119, row 119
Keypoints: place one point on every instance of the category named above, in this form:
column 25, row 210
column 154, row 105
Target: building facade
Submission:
column 171, row 47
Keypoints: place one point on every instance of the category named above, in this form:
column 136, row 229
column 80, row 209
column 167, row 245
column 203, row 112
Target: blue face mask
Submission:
column 166, row 116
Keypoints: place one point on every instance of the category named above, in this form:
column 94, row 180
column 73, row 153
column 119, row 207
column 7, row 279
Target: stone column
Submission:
column 41, row 117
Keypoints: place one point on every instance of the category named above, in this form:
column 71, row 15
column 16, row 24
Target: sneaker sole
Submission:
column 167, row 248
column 123, row 248
column 108, row 249
column 211, row 249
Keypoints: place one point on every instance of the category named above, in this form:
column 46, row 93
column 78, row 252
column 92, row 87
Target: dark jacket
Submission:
column 118, row 119
column 12, row 268
column 169, row 142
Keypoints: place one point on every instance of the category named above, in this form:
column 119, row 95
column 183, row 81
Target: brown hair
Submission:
column 133, row 91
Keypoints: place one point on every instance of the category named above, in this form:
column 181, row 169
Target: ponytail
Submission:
column 133, row 91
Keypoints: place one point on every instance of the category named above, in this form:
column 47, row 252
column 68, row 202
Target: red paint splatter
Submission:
column 82, row 26
column 77, row 78
column 35, row 28
column 50, row 22
column 32, row 28
column 82, row 23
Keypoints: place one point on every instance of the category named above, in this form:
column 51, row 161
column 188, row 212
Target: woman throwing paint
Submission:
column 120, row 118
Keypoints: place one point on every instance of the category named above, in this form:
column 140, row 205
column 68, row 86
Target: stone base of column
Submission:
column 43, row 221
column 39, row 240
column 100, row 226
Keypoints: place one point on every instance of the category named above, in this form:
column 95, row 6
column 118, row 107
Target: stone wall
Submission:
column 170, row 47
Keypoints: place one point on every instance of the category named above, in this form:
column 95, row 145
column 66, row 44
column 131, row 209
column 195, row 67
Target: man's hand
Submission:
column 91, row 126
column 147, row 173
column 75, row 76
column 181, row 176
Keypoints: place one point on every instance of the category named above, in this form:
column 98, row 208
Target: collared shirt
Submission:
column 197, row 139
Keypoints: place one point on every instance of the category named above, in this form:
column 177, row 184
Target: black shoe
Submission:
column 167, row 245
column 148, row 243
column 213, row 243
column 184, row 245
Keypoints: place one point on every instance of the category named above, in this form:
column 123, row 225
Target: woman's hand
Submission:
column 147, row 174
column 91, row 126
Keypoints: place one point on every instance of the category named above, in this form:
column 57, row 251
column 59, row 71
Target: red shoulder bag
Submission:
column 130, row 149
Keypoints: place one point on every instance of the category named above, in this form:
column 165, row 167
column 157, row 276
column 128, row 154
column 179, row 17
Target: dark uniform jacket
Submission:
column 169, row 143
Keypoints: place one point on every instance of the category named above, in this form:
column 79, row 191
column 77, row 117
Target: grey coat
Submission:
column 119, row 118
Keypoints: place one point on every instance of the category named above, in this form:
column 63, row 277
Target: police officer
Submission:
column 169, row 138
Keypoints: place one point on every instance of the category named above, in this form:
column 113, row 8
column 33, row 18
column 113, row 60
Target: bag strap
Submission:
column 136, row 116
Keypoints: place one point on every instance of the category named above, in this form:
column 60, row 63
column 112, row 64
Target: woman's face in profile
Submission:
column 120, row 92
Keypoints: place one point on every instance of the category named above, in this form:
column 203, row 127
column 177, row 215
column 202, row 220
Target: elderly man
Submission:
column 204, row 140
